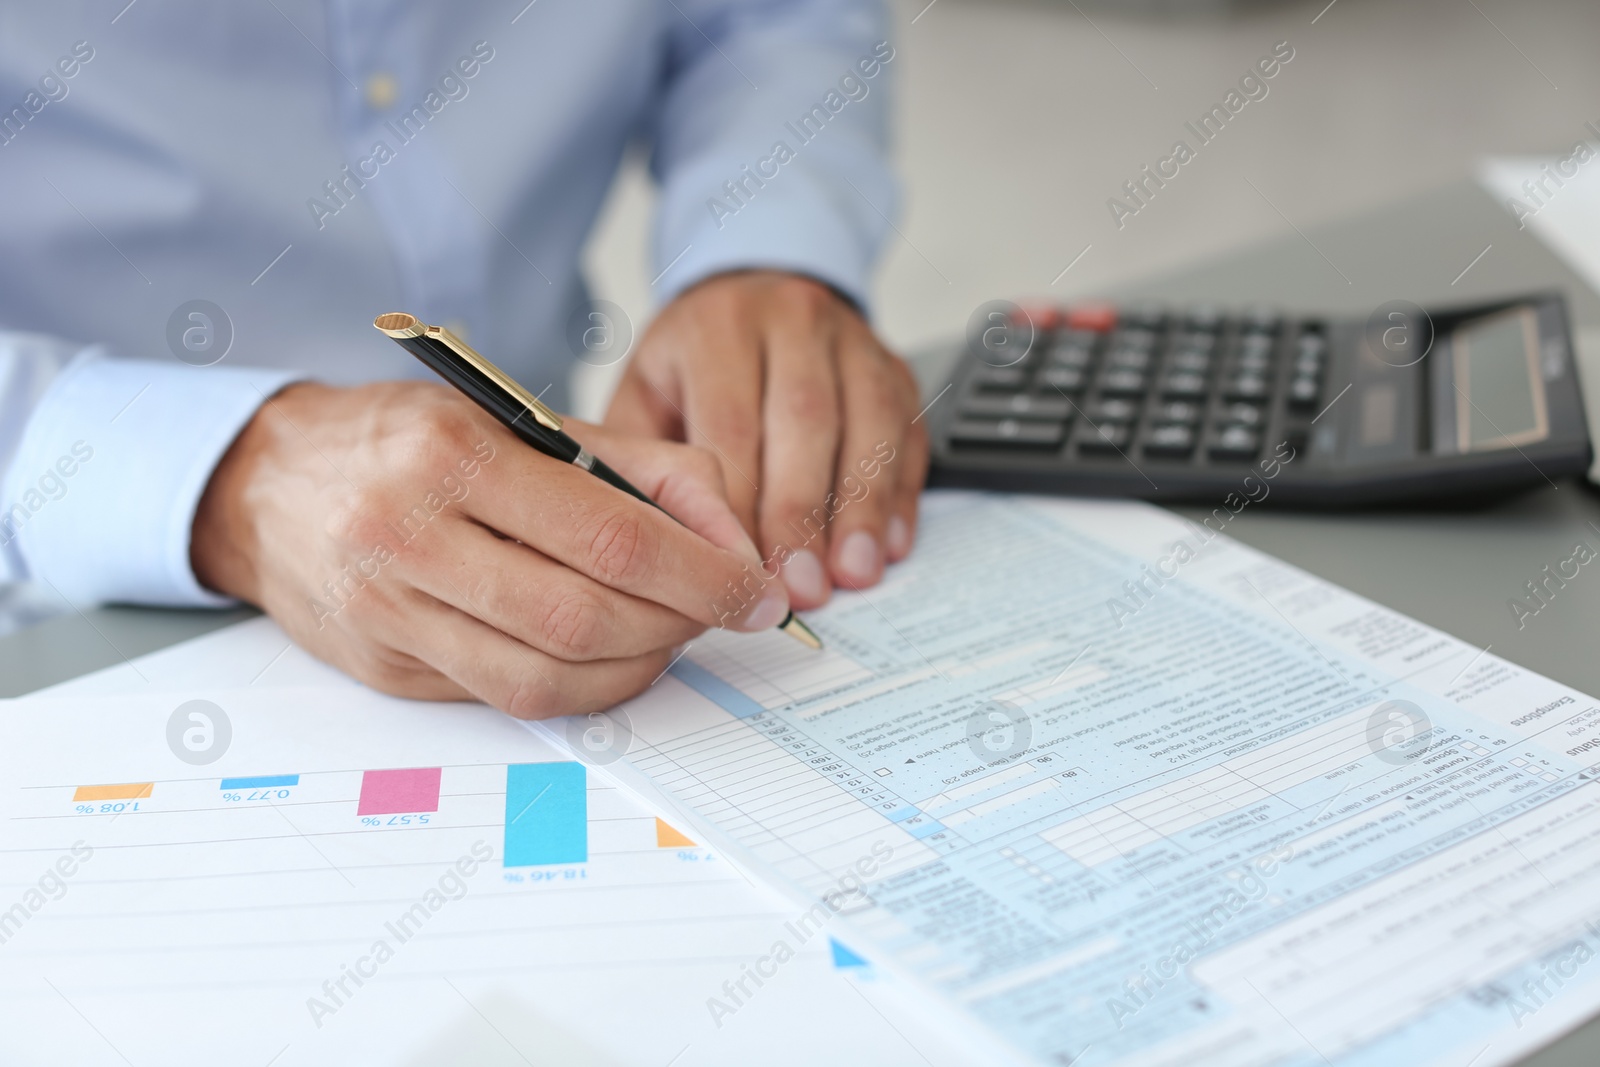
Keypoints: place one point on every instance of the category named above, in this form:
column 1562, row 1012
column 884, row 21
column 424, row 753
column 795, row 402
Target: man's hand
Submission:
column 810, row 416
column 403, row 535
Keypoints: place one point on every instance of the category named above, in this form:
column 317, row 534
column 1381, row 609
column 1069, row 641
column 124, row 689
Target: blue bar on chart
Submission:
column 261, row 781
column 547, row 814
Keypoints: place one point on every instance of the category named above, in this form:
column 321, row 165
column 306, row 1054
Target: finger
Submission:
column 798, row 456
column 722, row 400
column 541, row 603
column 686, row 480
column 910, row 469
column 359, row 653
column 864, row 479
column 596, row 529
column 516, row 678
column 638, row 407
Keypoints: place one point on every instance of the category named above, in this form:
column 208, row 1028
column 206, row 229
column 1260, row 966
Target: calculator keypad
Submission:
column 1178, row 387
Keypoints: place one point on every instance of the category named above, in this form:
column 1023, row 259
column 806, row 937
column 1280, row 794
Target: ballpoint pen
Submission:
column 520, row 412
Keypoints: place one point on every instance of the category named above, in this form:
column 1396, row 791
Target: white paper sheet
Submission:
column 1129, row 793
column 201, row 916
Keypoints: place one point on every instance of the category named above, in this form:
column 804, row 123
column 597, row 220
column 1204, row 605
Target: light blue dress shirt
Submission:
column 303, row 165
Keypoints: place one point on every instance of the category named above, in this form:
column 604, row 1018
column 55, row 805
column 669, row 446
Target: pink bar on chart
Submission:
column 397, row 792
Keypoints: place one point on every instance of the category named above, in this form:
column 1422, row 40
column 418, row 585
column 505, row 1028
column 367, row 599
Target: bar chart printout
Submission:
column 396, row 792
column 547, row 814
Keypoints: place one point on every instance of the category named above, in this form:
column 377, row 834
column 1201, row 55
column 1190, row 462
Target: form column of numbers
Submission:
column 864, row 786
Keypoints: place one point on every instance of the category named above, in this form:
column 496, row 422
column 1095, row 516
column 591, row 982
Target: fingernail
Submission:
column 859, row 557
column 803, row 575
column 899, row 536
column 765, row 615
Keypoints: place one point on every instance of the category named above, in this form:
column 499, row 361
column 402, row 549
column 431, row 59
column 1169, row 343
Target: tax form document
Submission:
column 1119, row 790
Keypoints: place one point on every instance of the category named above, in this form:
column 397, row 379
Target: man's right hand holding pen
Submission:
column 402, row 534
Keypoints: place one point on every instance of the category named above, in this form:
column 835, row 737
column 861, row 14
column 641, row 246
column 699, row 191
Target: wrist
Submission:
column 225, row 541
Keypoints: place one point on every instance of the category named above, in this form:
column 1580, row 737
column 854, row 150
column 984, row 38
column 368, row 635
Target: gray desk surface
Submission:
column 1454, row 570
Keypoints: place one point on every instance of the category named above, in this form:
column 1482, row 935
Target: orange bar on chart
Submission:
column 129, row 791
column 667, row 837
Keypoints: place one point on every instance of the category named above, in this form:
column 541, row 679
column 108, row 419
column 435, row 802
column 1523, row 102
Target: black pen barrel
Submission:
column 511, row 412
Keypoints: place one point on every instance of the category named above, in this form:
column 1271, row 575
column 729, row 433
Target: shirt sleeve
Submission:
column 104, row 464
column 770, row 142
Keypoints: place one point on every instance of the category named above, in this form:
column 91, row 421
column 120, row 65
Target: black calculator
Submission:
column 1181, row 404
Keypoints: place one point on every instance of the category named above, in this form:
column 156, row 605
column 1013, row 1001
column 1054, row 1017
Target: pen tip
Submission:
column 795, row 628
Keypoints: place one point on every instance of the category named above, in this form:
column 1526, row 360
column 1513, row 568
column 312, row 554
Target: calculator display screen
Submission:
column 1500, row 400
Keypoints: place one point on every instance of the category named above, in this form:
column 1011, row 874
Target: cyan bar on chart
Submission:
column 547, row 814
column 261, row 781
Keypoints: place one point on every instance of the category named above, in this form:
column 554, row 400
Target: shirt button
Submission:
column 381, row 91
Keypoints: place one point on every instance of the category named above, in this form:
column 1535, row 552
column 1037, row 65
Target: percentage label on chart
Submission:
column 85, row 809
column 232, row 796
column 371, row 820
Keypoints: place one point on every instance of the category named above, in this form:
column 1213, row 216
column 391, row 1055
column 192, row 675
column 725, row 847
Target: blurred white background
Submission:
column 1017, row 119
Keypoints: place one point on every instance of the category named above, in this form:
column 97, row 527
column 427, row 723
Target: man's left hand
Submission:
column 811, row 417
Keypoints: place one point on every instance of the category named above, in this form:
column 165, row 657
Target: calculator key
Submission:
column 1066, row 379
column 1113, row 409
column 1308, row 366
column 1205, row 317
column 1044, row 317
column 1146, row 316
column 1134, row 359
column 1019, row 433
column 1256, row 342
column 1236, row 442
column 1178, row 411
column 1141, row 339
column 1017, row 406
column 1108, row 437
column 1195, row 342
column 1246, row 387
column 1071, row 355
column 1312, row 344
column 1303, row 392
column 1190, row 362
column 1253, row 363
column 1173, row 439
column 1097, row 317
column 989, row 377
column 1184, row 386
column 1262, row 320
column 1124, row 382
column 1247, row 415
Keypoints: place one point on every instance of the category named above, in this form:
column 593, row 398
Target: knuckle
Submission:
column 531, row 698
column 572, row 625
column 738, row 434
column 810, row 404
column 357, row 521
column 703, row 466
column 807, row 299
column 441, row 435
column 618, row 549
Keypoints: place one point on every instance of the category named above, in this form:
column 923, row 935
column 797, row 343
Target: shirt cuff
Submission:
column 101, row 495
